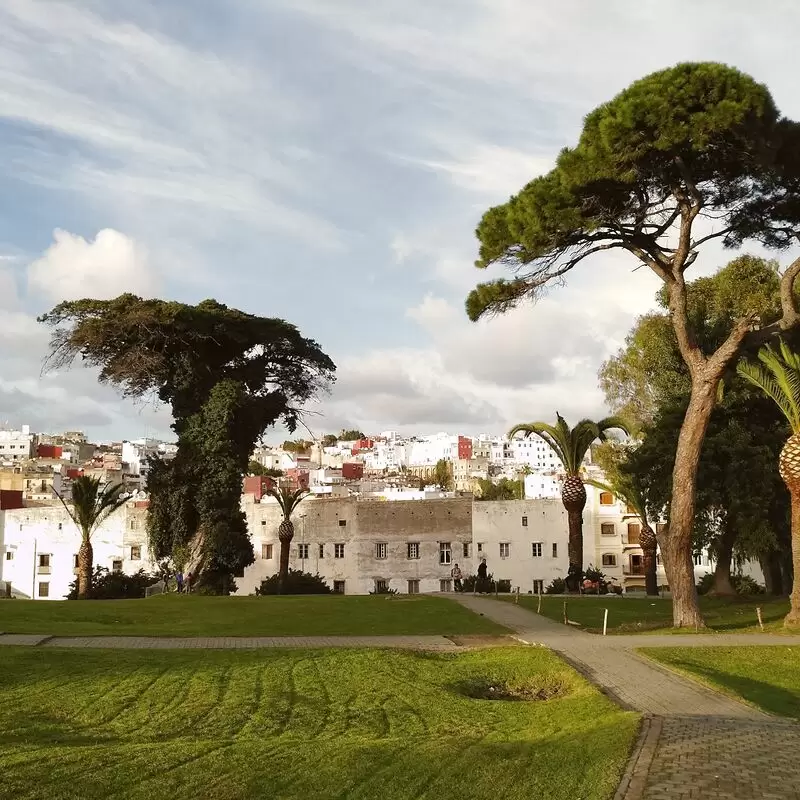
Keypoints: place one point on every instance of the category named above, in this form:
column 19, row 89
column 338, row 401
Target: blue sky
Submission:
column 327, row 161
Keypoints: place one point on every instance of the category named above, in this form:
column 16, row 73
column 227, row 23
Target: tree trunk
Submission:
column 772, row 577
column 650, row 574
column 792, row 619
column 677, row 545
column 575, row 549
column 85, row 559
column 722, row 585
column 285, row 536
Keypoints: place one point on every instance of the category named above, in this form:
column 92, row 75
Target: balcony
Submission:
column 633, row 569
column 42, row 570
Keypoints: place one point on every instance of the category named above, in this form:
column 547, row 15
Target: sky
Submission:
column 326, row 162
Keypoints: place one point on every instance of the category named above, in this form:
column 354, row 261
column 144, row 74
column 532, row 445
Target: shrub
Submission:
column 473, row 584
column 107, row 585
column 742, row 584
column 297, row 582
column 557, row 586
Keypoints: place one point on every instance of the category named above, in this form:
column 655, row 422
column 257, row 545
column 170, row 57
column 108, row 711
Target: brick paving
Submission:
column 696, row 743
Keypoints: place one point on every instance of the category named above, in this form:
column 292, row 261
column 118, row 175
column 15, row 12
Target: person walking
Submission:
column 188, row 583
column 482, row 576
column 179, row 582
column 456, row 575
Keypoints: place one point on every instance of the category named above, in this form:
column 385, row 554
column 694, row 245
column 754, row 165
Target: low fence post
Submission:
column 760, row 620
column 539, row 607
column 605, row 622
column 566, row 617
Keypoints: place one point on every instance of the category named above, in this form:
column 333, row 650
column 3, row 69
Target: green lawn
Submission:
column 642, row 614
column 766, row 676
column 309, row 724
column 194, row 615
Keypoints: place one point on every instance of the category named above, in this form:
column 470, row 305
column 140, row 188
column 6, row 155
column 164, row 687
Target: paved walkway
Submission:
column 231, row 642
column 696, row 743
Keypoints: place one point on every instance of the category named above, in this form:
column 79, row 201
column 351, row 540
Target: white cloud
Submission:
column 73, row 268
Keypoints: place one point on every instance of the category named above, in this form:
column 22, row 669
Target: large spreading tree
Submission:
column 741, row 507
column 227, row 376
column 683, row 157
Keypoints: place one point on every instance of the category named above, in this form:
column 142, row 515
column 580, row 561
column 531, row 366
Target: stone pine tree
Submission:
column 227, row 376
column 571, row 446
column 778, row 376
column 683, row 157
column 92, row 503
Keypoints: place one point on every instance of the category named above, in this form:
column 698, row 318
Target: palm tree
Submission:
column 571, row 445
column 626, row 490
column 288, row 501
column 92, row 503
column 778, row 376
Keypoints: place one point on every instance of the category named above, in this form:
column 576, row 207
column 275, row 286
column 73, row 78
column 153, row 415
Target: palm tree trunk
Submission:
column 650, row 563
column 85, row 559
column 792, row 619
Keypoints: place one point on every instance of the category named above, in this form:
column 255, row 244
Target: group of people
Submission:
column 184, row 583
column 458, row 576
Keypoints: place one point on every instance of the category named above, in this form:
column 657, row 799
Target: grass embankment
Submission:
column 304, row 724
column 193, row 615
column 643, row 614
column 768, row 677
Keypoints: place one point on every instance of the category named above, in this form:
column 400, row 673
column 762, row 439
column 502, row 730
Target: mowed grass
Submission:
column 195, row 615
column 360, row 724
column 643, row 614
column 768, row 677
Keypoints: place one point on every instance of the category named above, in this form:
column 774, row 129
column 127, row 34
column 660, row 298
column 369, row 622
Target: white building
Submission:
column 39, row 548
column 17, row 446
column 536, row 453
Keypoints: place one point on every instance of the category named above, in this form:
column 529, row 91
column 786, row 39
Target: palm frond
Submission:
column 778, row 376
column 93, row 503
column 550, row 434
column 288, row 499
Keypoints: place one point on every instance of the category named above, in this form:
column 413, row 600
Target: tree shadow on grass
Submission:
column 774, row 699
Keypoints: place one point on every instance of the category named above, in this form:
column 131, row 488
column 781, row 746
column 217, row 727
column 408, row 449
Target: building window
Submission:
column 264, row 523
column 342, row 523
column 634, row 529
column 505, row 549
column 322, row 551
column 133, row 524
column 136, row 552
column 44, row 589
column 59, row 525
column 413, row 549
column 480, row 547
column 338, row 551
column 302, row 551
column 555, row 550
column 536, row 549
column 607, row 529
column 445, row 585
column 609, row 560
column 524, row 522
column 538, row 587
column 698, row 559
column 381, row 550
column 381, row 586
column 9, row 556
column 116, row 565
column 75, row 561
column 606, row 499
column 413, row 587
column 338, row 587
column 44, row 560
column 445, row 553
column 467, row 549
column 266, row 551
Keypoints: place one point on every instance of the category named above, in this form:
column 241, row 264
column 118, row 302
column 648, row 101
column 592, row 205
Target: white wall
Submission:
column 31, row 532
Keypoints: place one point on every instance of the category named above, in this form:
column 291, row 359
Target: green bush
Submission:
column 107, row 585
column 557, row 586
column 472, row 584
column 742, row 584
column 297, row 582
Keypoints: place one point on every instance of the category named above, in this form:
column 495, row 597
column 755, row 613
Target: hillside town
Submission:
column 376, row 520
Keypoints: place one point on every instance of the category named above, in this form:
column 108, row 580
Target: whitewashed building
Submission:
column 17, row 445
column 39, row 548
